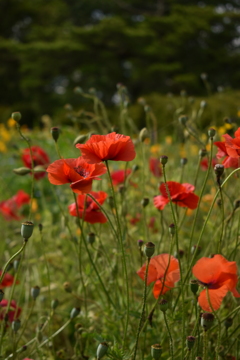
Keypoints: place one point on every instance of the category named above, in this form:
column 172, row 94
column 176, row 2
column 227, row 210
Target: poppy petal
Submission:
column 216, row 297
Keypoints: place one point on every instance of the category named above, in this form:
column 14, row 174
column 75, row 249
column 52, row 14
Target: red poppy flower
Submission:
column 119, row 176
column 7, row 280
column 233, row 145
column 92, row 213
column 107, row 147
column 155, row 166
column 219, row 276
column 40, row 157
column 156, row 271
column 9, row 208
column 204, row 163
column 136, row 219
column 75, row 171
column 14, row 311
column 181, row 194
column 222, row 151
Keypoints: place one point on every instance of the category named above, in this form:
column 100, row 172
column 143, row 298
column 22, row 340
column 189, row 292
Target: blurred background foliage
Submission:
column 153, row 47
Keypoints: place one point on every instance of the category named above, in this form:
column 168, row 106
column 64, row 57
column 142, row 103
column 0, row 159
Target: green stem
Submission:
column 204, row 345
column 222, row 227
column 11, row 259
column 219, row 323
column 169, row 334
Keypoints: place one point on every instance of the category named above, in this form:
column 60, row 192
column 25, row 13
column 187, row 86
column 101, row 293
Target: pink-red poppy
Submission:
column 7, row 280
column 112, row 146
column 219, row 276
column 75, row 171
column 229, row 161
column 119, row 176
column 40, row 157
column 92, row 213
column 233, row 144
column 160, row 267
column 155, row 166
column 9, row 208
column 204, row 163
column 181, row 194
column 13, row 313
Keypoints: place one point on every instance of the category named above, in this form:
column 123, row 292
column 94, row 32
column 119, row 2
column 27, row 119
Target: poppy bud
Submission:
column 75, row 312
column 67, row 287
column 156, row 351
column 91, row 238
column 190, row 342
column 219, row 170
column 16, row 116
column 22, row 171
column 143, row 135
column 78, row 90
column 211, row 132
column 202, row 153
column 1, row 295
column 35, row 291
column 203, row 104
column 228, row 322
column 55, row 131
column 145, row 202
column 24, row 348
column 163, row 305
column 163, row 159
column 27, row 229
column 183, row 161
column 183, row 119
column 149, row 249
column 121, row 189
column 196, row 249
column 179, row 254
column 135, row 167
column 140, row 243
column 54, row 304
column 207, row 321
column 194, row 286
column 80, row 139
column 40, row 226
column 171, row 229
column 101, row 350
column 16, row 324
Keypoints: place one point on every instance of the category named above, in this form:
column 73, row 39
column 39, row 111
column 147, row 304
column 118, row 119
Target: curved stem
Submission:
column 169, row 334
column 223, row 222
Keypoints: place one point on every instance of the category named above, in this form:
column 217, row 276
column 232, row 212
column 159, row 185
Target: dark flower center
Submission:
column 81, row 171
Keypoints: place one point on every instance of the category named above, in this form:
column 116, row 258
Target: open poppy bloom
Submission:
column 219, row 276
column 155, row 166
column 40, row 157
column 14, row 311
column 181, row 194
column 112, row 146
column 9, row 208
column 75, row 171
column 157, row 267
column 222, row 152
column 119, row 176
column 92, row 214
column 7, row 280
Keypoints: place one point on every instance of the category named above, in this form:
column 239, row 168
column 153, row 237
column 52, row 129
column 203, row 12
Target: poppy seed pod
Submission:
column 149, row 249
column 16, row 324
column 163, row 159
column 140, row 243
column 207, row 321
column 91, row 238
column 219, row 170
column 163, row 305
column 22, row 171
column 183, row 161
column 211, row 132
column 172, row 229
column 194, row 286
column 16, row 116
column 75, row 312
column 54, row 304
column 228, row 322
column 80, row 139
column 35, row 291
column 183, row 119
column 156, row 351
column 27, row 229
column 67, row 287
column 190, row 342
column 143, row 135
column 55, row 131
column 135, row 167
column 101, row 350
column 145, row 202
column 202, row 153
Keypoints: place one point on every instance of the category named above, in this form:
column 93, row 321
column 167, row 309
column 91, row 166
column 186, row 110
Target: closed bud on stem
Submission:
column 121, row 189
column 35, row 291
column 207, row 321
column 143, row 135
column 228, row 322
column 16, row 116
column 211, row 132
column 67, row 287
column 156, row 351
column 80, row 139
column 91, row 238
column 27, row 229
column 102, row 350
column 172, row 229
column 190, row 342
column 1, row 295
column 194, row 286
column 135, row 167
column 179, row 254
column 183, row 119
column 163, row 305
column 149, row 249
column 40, row 226
column 140, row 243
column 183, row 161
column 202, row 153
column 54, row 304
column 75, row 312
column 55, row 131
column 24, row 348
column 22, row 171
column 219, row 170
column 163, row 159
column 145, row 202
column 16, row 324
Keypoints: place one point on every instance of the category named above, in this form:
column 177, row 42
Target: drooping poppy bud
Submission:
column 16, row 116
